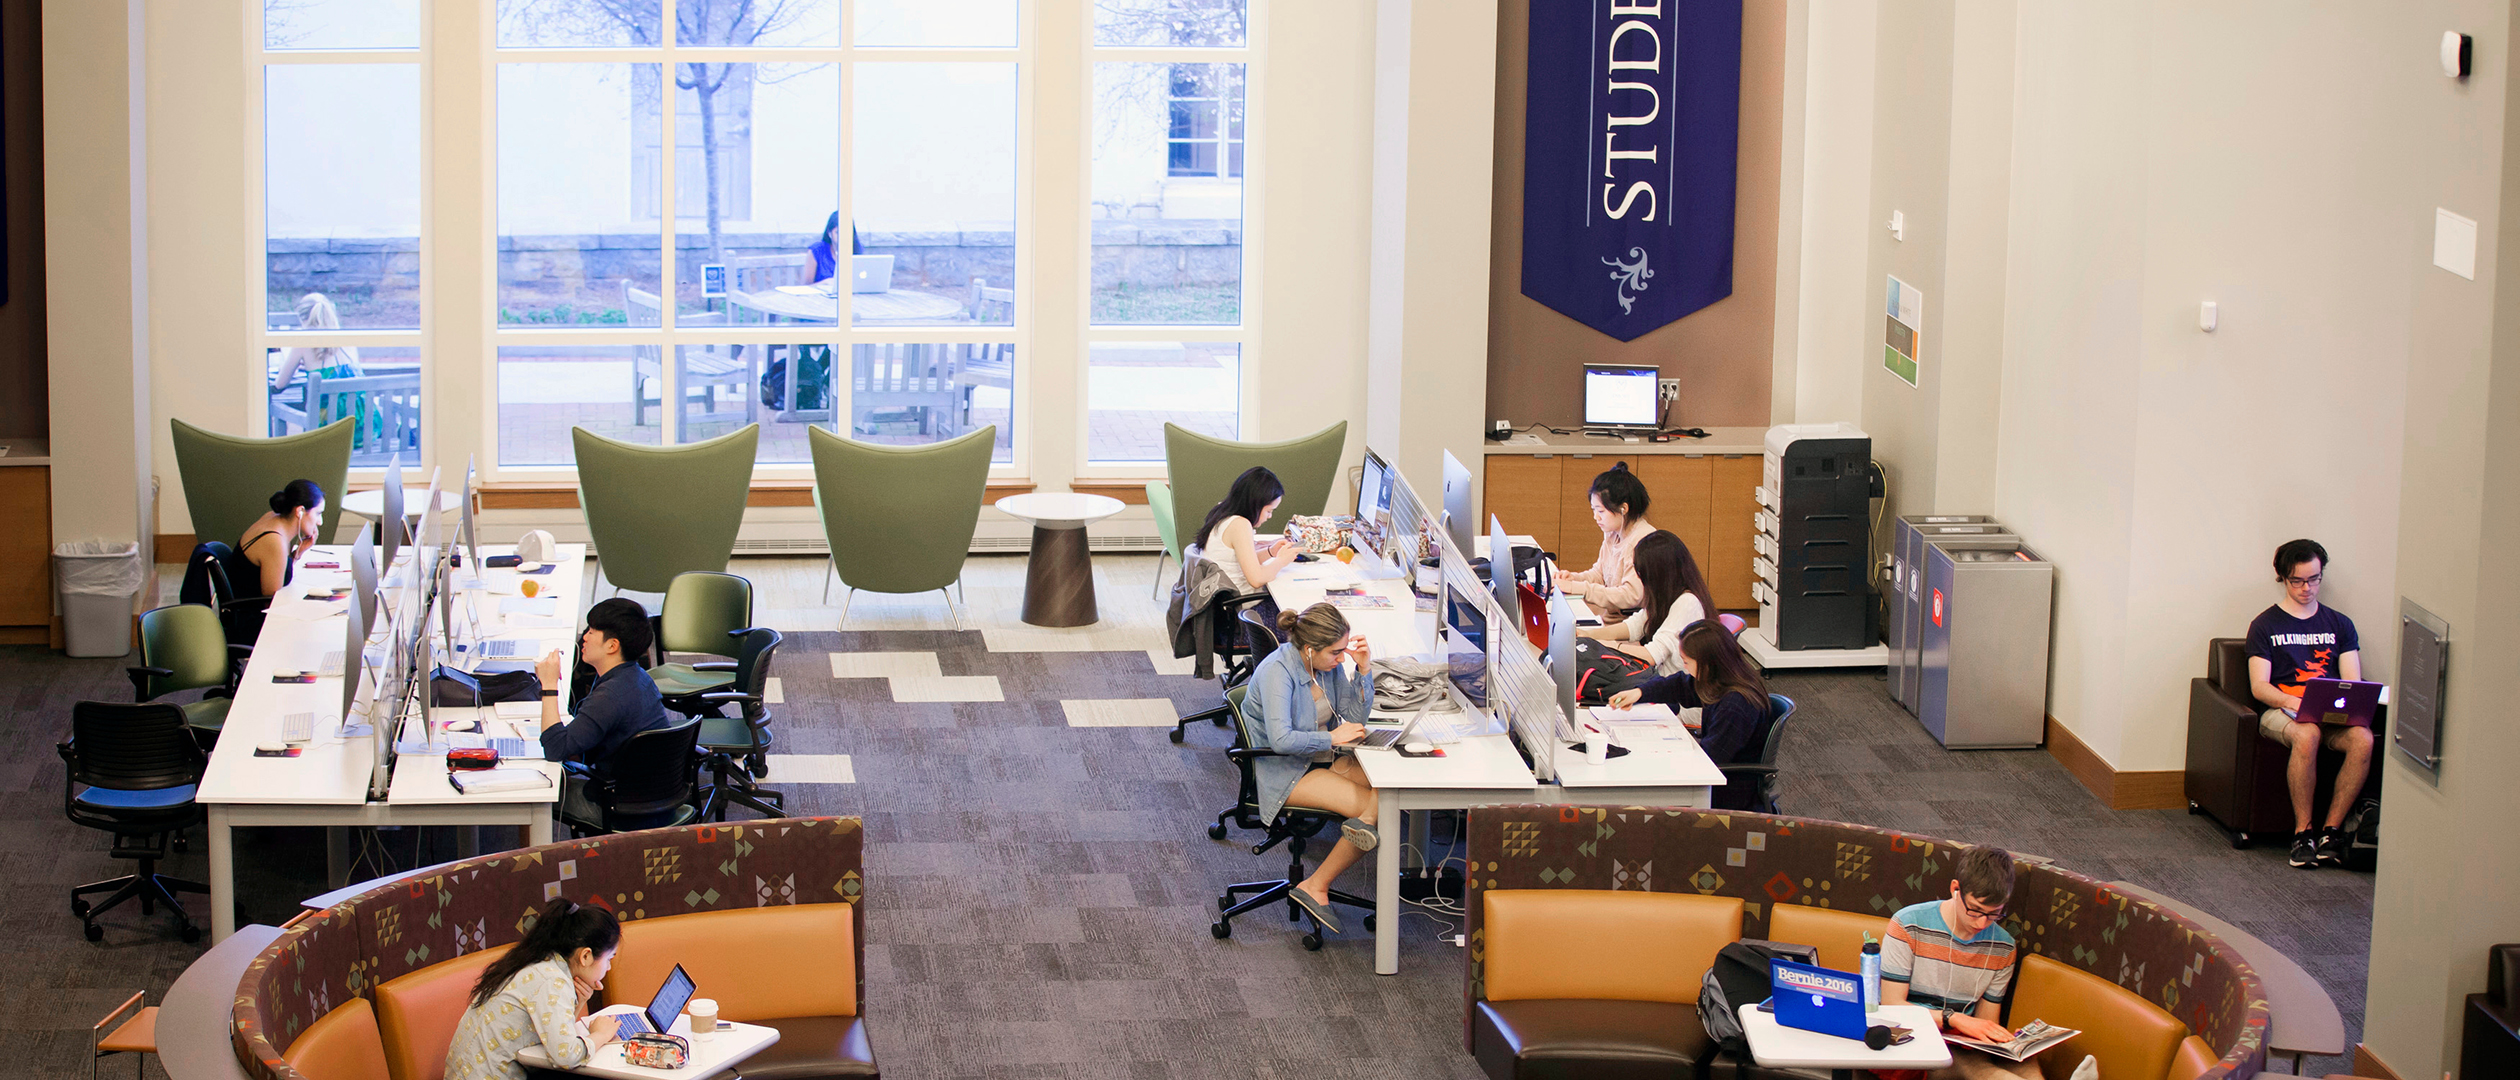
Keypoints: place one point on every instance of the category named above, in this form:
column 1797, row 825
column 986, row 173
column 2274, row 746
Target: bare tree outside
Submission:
column 1208, row 24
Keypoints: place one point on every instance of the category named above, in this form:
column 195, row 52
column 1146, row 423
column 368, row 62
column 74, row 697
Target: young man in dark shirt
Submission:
column 2289, row 644
column 621, row 702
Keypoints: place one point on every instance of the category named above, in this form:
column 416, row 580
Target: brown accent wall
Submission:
column 1720, row 352
column 24, row 412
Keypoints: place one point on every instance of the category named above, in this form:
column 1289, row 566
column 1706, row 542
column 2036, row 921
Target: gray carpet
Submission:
column 1039, row 894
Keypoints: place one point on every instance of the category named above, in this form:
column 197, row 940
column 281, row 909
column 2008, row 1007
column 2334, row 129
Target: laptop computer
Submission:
column 870, row 273
column 668, row 1004
column 1817, row 999
column 1379, row 740
column 2340, row 701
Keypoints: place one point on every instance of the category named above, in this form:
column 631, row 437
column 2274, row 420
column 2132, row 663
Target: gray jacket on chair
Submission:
column 1189, row 618
column 1285, row 715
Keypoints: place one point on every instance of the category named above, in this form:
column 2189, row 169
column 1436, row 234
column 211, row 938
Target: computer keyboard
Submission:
column 516, row 749
column 297, row 727
column 630, row 1024
column 500, row 647
column 332, row 665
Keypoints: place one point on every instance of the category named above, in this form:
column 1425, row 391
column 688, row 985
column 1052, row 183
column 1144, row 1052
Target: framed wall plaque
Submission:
column 2423, row 680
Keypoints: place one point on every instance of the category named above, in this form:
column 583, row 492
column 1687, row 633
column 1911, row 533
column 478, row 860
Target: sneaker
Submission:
column 2333, row 844
column 1360, row 834
column 2305, row 849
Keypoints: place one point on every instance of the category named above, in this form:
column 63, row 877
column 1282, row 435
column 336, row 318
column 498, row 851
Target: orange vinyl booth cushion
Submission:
column 344, row 1045
column 2193, row 1058
column 418, row 1012
column 758, row 963
column 2132, row 1037
column 1839, row 935
column 1599, row 944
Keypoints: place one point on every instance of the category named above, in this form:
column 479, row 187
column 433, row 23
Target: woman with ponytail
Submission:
column 272, row 546
column 535, row 995
column 1307, row 703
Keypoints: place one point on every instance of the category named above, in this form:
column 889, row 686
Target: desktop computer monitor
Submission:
column 363, row 578
column 1457, row 521
column 472, row 543
column 1622, row 397
column 389, row 527
column 1501, row 580
column 353, row 648
column 1562, row 661
column 1465, row 646
column 1373, row 488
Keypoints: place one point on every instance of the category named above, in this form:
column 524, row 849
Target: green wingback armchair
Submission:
column 228, row 479
column 900, row 518
column 1200, row 469
column 658, row 511
column 1159, row 503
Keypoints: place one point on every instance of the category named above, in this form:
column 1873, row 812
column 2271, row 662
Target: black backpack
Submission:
column 1738, row 977
column 1601, row 671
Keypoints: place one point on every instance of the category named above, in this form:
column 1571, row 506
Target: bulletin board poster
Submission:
column 1903, row 331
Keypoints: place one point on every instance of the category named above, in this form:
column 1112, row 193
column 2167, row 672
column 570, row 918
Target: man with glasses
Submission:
column 1954, row 956
column 2291, row 643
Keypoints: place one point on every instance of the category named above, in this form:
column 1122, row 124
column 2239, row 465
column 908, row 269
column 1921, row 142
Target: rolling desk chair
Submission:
column 1765, row 770
column 745, row 735
column 131, row 771
column 1292, row 827
column 649, row 786
column 1229, row 616
column 704, row 612
column 209, row 581
column 183, row 647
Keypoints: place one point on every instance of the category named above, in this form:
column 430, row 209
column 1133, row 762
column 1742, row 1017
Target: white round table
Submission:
column 1059, row 579
column 370, row 504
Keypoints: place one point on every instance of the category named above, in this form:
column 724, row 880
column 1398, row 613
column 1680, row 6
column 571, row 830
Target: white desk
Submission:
column 1779, row 1047
column 713, row 1054
column 327, row 785
column 1398, row 630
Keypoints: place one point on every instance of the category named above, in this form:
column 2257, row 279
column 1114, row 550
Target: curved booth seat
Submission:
column 764, row 915
column 2157, row 996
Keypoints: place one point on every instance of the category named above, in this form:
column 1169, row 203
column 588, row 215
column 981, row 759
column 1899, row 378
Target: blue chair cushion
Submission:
column 677, row 680
column 118, row 799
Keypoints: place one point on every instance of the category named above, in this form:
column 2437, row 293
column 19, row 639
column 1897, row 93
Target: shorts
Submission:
column 2277, row 727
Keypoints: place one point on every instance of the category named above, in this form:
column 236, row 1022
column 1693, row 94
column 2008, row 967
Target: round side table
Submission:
column 1059, row 579
column 370, row 504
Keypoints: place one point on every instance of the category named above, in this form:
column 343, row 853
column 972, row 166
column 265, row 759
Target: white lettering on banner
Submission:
column 1642, row 55
column 2301, row 639
column 1812, row 980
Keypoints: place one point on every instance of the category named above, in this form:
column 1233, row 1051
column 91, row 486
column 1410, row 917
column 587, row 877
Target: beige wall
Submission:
column 1823, row 319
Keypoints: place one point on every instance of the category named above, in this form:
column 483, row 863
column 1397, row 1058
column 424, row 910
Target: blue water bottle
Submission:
column 1872, row 975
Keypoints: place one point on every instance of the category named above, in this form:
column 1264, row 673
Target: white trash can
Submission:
column 96, row 581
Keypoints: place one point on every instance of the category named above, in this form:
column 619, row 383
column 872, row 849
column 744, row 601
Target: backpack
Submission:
column 1738, row 977
column 1601, row 671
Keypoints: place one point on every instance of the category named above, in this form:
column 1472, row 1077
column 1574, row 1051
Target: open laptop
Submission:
column 870, row 273
column 1379, row 740
column 2340, row 701
column 661, row 1009
column 1817, row 999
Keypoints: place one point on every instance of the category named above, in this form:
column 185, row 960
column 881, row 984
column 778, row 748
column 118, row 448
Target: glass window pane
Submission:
column 725, row 387
column 766, row 23
column 970, row 24
column 1204, row 23
column 1167, row 194
column 1133, row 388
column 561, row 24
column 341, row 195
column 911, row 394
column 341, row 24
column 573, row 250
column 544, row 390
column 775, row 133
column 934, row 186
column 314, row 386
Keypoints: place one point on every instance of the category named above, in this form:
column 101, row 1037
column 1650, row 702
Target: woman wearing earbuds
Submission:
column 536, row 995
column 1308, row 702
column 269, row 553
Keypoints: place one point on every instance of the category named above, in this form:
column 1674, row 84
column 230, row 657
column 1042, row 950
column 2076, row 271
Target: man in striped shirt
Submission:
column 1953, row 956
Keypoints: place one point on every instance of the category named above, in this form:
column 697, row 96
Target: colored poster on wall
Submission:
column 1629, row 156
column 1904, row 331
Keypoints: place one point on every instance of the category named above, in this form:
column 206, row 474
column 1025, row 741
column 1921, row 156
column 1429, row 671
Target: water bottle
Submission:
column 1872, row 977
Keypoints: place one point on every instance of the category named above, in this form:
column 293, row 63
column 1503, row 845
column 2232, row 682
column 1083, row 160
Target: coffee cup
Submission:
column 1597, row 747
column 703, row 1013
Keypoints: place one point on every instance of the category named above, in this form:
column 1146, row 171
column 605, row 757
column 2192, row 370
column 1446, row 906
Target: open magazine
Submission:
column 2033, row 1037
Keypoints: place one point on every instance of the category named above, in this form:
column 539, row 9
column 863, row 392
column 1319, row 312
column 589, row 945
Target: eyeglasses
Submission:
column 1975, row 912
column 2303, row 582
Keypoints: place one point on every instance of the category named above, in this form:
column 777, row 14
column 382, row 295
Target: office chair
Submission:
column 649, row 785
column 131, row 770
column 1293, row 826
column 746, row 735
column 704, row 612
column 183, row 647
column 1226, row 617
column 209, row 580
column 1765, row 770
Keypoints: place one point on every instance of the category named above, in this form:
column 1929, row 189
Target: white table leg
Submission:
column 1386, row 885
column 538, row 824
column 222, row 877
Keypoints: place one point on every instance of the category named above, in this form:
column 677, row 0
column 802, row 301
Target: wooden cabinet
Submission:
column 1705, row 500
column 26, row 547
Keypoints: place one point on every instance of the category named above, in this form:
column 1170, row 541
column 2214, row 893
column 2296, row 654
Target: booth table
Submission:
column 1779, row 1047
column 713, row 1054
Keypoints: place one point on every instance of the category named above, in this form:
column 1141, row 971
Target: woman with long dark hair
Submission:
column 1230, row 537
column 535, row 994
column 268, row 557
column 826, row 251
column 1723, row 687
column 1675, row 596
column 1610, row 585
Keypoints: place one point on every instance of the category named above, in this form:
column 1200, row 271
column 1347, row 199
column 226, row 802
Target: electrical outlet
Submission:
column 1671, row 389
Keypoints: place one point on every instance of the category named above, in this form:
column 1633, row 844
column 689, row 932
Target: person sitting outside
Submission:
column 1720, row 684
column 1954, row 956
column 536, row 994
column 1307, row 703
column 1618, row 510
column 1674, row 597
column 316, row 312
column 826, row 251
column 622, row 701
column 2290, row 643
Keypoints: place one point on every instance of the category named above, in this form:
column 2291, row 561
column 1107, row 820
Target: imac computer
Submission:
column 1562, row 661
column 1622, row 398
column 389, row 526
column 1373, row 488
column 1457, row 521
column 471, row 577
column 1501, row 579
column 1465, row 647
column 363, row 579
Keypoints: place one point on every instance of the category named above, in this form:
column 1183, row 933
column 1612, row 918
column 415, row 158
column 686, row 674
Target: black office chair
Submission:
column 1293, row 826
column 1764, row 770
column 131, row 771
column 209, row 580
column 649, row 783
column 1263, row 640
column 1225, row 622
column 746, row 735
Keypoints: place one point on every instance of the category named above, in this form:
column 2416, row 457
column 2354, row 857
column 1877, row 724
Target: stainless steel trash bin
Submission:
column 1984, row 643
column 1907, row 584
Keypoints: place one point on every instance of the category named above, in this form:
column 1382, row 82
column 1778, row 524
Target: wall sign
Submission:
column 1629, row 156
column 2423, row 678
column 1904, row 331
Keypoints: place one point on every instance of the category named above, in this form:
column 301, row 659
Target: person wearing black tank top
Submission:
column 268, row 557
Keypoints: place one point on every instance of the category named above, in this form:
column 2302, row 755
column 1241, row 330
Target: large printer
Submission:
column 1813, row 548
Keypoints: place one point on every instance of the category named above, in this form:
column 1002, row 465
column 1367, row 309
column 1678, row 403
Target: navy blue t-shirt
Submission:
column 2298, row 650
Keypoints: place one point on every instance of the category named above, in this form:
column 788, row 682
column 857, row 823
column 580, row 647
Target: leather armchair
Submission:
column 2489, row 1044
column 2235, row 776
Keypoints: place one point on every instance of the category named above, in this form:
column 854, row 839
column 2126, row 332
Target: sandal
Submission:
column 1318, row 910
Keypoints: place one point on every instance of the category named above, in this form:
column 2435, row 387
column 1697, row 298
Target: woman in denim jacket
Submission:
column 1308, row 702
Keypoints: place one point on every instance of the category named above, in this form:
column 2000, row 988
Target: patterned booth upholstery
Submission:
column 318, row 1002
column 2140, row 977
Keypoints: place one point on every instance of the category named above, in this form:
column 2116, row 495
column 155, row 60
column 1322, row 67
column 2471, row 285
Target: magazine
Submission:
column 2033, row 1037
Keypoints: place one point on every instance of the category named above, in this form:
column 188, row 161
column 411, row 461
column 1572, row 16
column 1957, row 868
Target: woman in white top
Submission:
column 535, row 995
column 1674, row 596
column 1618, row 510
column 1230, row 537
column 316, row 312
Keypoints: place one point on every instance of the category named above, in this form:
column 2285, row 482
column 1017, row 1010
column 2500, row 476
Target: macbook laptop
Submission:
column 666, row 1005
column 870, row 273
column 1817, row 999
column 1383, row 739
column 2340, row 701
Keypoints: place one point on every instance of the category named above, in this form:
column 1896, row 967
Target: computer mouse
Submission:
column 1417, row 746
